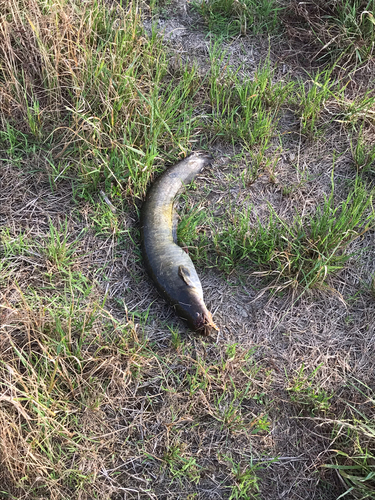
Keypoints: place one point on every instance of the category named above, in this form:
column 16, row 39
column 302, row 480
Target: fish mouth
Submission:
column 204, row 323
column 201, row 318
column 197, row 316
column 202, row 155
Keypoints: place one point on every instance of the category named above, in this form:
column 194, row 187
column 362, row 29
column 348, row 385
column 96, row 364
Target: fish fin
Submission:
column 184, row 273
column 175, row 218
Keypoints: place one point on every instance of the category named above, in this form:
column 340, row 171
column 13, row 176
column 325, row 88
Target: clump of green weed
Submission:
column 302, row 252
column 309, row 249
column 306, row 392
column 354, row 438
column 344, row 28
column 233, row 17
column 311, row 99
column 181, row 467
column 363, row 153
column 246, row 480
column 244, row 109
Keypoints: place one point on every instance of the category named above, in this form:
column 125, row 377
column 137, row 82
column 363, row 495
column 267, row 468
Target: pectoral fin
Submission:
column 184, row 273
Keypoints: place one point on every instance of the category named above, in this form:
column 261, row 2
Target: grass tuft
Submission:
column 302, row 253
column 353, row 454
column 363, row 153
column 345, row 29
column 228, row 18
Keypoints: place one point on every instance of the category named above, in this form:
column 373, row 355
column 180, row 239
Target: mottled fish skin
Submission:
column 168, row 265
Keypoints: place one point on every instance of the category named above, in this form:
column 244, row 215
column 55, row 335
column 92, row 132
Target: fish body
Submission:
column 169, row 266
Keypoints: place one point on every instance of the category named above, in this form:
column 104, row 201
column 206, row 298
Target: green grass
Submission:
column 353, row 453
column 46, row 380
column 229, row 18
column 363, row 153
column 353, row 25
column 245, row 110
column 305, row 391
column 247, row 482
column 344, row 29
column 311, row 99
column 106, row 118
column 299, row 253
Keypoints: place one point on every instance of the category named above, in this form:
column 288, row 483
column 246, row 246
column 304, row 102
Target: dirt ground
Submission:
column 332, row 330
column 335, row 329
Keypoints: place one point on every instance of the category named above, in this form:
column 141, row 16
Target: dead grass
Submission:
column 337, row 31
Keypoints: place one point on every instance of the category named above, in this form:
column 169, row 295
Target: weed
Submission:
column 262, row 161
column 105, row 219
column 311, row 100
column 228, row 406
column 227, row 18
column 354, row 110
column 180, row 467
column 13, row 246
column 175, row 337
column 363, row 153
column 197, row 379
column 244, row 110
column 302, row 252
column 305, row 391
column 345, row 29
column 246, row 480
column 58, row 251
column 354, row 459
column 14, row 142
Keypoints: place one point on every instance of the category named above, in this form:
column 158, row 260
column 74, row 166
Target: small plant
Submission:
column 190, row 224
column 305, row 391
column 58, row 251
column 311, row 100
column 363, row 154
column 354, row 433
column 180, row 467
column 14, row 142
column 228, row 408
column 261, row 162
column 12, row 245
column 34, row 117
column 357, row 109
column 175, row 337
column 246, row 482
column 197, row 379
column 358, row 475
column 232, row 17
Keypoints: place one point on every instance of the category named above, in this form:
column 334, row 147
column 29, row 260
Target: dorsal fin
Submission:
column 175, row 218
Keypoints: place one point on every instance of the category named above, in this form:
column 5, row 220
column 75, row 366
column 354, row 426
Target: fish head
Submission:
column 191, row 305
column 196, row 314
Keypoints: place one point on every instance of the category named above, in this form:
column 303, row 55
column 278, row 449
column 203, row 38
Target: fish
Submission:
column 168, row 265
